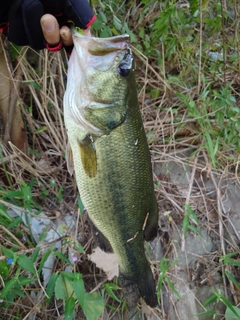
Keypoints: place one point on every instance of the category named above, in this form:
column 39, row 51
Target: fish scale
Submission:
column 113, row 166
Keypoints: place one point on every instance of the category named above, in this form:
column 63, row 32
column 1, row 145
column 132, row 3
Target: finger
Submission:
column 66, row 36
column 50, row 29
column 87, row 32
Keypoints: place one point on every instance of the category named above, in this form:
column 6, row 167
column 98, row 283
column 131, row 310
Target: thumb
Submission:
column 50, row 29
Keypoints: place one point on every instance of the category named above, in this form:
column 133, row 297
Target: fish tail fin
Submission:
column 143, row 285
column 130, row 289
column 147, row 287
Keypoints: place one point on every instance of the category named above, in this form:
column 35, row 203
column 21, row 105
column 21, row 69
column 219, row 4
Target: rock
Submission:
column 195, row 247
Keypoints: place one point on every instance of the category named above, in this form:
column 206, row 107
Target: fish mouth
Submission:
column 125, row 65
column 102, row 46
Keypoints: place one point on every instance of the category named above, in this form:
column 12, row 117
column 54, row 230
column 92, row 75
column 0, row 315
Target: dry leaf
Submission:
column 146, row 310
column 105, row 261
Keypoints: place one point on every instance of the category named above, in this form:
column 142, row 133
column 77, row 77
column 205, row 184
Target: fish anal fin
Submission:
column 88, row 156
column 102, row 241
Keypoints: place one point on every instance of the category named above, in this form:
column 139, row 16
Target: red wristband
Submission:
column 3, row 26
column 91, row 21
column 56, row 48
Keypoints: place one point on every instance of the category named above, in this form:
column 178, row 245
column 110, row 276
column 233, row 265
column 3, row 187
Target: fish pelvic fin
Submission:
column 69, row 159
column 88, row 156
column 141, row 286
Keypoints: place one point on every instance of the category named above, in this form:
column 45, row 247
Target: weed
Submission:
column 165, row 266
column 190, row 215
column 69, row 287
column 13, row 287
column 216, row 297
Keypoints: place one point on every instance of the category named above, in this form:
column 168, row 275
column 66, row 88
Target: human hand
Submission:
column 36, row 22
column 56, row 36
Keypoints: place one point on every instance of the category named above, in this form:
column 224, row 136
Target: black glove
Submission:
column 20, row 19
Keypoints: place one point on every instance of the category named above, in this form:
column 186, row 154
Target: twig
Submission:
column 189, row 194
column 25, row 251
column 39, row 282
column 200, row 48
column 131, row 239
column 12, row 235
column 145, row 221
column 221, row 230
column 154, row 71
column 12, row 206
column 223, row 11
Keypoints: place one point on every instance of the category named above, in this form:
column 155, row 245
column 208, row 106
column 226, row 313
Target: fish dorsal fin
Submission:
column 69, row 159
column 88, row 156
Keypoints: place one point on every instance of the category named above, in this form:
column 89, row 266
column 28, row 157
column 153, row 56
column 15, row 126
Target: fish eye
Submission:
column 123, row 69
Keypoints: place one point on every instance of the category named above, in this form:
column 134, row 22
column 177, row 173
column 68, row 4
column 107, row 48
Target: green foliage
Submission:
column 110, row 288
column 232, row 279
column 66, row 286
column 26, row 263
column 108, row 23
column 13, row 286
column 80, row 204
column 216, row 297
column 217, row 117
column 4, row 269
column 227, row 259
column 4, row 214
column 171, row 38
column 21, row 197
column 232, row 314
column 190, row 215
column 69, row 287
column 165, row 266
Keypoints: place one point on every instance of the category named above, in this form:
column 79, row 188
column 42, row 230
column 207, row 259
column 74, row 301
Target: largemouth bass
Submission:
column 108, row 145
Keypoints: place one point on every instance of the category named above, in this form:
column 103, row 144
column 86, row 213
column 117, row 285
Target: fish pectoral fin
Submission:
column 69, row 159
column 88, row 156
